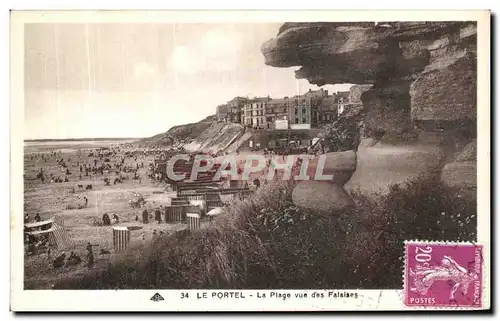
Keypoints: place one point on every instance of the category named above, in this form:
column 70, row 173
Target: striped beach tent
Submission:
column 59, row 221
column 121, row 238
column 59, row 238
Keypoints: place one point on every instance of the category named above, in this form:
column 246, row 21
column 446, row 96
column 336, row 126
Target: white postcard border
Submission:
column 139, row 300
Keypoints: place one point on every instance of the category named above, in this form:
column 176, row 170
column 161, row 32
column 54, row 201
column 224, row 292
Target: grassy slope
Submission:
column 266, row 242
column 181, row 132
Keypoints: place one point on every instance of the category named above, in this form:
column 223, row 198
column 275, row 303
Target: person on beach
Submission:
column 158, row 215
column 49, row 253
column 59, row 261
column 90, row 256
column 106, row 220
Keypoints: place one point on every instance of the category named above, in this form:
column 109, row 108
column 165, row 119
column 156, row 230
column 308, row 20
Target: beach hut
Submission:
column 194, row 220
column 121, row 238
column 202, row 204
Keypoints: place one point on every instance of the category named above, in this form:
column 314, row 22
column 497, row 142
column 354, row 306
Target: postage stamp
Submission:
column 441, row 274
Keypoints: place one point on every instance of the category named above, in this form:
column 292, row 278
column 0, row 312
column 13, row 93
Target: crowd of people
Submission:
column 98, row 165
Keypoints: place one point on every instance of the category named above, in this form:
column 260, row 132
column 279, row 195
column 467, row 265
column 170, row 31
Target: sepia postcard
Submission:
column 250, row 161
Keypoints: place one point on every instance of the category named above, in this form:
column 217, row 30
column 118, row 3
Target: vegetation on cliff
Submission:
column 179, row 133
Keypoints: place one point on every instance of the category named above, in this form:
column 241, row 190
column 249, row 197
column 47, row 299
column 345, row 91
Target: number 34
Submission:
column 184, row 295
column 423, row 254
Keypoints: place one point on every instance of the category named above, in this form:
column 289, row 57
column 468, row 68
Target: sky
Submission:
column 138, row 80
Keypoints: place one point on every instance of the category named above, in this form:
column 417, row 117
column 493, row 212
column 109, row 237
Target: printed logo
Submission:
column 157, row 297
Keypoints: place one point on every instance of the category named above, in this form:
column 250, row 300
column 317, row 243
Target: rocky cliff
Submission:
column 423, row 94
column 422, row 72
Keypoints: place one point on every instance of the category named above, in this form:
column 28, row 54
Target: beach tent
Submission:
column 121, row 238
column 201, row 203
column 52, row 228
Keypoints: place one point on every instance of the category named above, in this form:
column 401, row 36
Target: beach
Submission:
column 62, row 199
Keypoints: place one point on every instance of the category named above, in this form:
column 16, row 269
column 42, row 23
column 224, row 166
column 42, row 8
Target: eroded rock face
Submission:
column 382, row 165
column 367, row 142
column 321, row 197
column 387, row 109
column 462, row 177
column 468, row 153
column 339, row 164
column 446, row 88
column 461, row 174
column 358, row 52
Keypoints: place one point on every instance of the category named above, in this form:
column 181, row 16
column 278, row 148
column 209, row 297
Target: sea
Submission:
column 71, row 145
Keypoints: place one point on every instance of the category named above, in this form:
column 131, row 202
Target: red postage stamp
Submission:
column 441, row 274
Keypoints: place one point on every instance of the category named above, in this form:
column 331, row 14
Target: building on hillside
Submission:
column 254, row 113
column 277, row 112
column 304, row 108
column 281, row 124
column 222, row 113
column 327, row 110
column 343, row 95
column 230, row 112
column 235, row 109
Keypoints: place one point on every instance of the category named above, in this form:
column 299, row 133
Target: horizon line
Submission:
column 81, row 138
